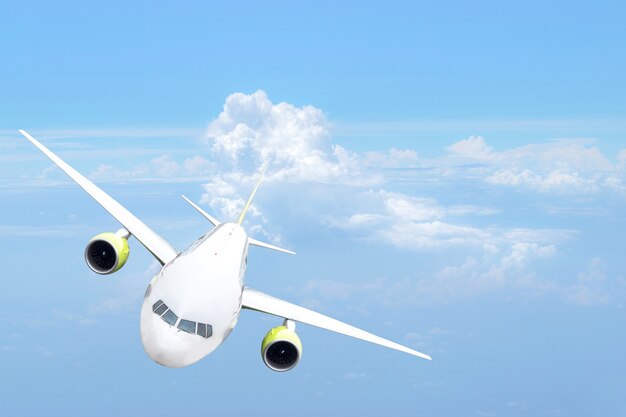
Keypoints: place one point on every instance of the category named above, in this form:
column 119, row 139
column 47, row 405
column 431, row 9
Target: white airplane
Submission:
column 193, row 303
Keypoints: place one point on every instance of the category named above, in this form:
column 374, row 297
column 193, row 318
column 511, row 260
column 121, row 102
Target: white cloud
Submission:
column 435, row 234
column 251, row 130
column 473, row 147
column 411, row 208
column 552, row 180
column 416, row 223
column 560, row 165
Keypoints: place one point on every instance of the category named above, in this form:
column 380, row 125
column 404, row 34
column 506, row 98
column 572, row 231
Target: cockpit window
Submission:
column 187, row 326
column 159, row 307
column 169, row 317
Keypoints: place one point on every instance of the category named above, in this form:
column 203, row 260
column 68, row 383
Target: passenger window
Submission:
column 187, row 326
column 169, row 317
column 202, row 329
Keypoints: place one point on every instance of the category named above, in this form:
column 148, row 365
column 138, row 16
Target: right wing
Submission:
column 153, row 242
column 255, row 300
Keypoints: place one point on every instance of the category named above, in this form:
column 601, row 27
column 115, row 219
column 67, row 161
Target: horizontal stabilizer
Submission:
column 255, row 300
column 255, row 242
column 210, row 218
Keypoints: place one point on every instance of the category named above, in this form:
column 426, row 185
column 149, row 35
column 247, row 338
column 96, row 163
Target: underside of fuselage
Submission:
column 193, row 303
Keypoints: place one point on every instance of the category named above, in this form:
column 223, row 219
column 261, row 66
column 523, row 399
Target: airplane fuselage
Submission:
column 193, row 303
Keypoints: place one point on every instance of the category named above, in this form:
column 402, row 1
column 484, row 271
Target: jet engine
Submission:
column 281, row 348
column 107, row 252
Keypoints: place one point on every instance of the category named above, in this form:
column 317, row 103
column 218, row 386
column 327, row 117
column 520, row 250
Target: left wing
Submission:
column 153, row 242
column 255, row 300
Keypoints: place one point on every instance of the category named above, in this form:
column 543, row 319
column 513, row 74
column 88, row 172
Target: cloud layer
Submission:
column 368, row 204
column 464, row 201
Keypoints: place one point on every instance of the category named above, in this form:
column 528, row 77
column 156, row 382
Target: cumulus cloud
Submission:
column 251, row 131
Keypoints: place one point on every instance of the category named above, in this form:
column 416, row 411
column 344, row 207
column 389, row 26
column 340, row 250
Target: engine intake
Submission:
column 107, row 252
column 281, row 348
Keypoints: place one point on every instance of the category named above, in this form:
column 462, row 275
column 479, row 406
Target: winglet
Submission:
column 247, row 206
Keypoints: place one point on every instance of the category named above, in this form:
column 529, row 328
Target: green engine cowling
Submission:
column 281, row 348
column 107, row 252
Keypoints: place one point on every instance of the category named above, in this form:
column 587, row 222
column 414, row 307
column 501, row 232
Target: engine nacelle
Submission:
column 281, row 349
column 107, row 252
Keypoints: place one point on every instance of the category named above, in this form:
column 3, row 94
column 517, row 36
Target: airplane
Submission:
column 193, row 303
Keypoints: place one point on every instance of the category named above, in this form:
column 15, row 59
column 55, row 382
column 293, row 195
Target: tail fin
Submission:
column 247, row 206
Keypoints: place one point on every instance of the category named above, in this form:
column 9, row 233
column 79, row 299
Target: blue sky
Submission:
column 452, row 176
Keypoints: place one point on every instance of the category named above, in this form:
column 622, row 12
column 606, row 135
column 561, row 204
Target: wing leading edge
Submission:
column 255, row 300
column 148, row 238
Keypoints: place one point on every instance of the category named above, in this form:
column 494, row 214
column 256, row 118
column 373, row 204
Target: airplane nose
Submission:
column 164, row 344
column 161, row 344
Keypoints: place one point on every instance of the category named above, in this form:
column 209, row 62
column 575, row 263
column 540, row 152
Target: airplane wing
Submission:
column 148, row 238
column 255, row 300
